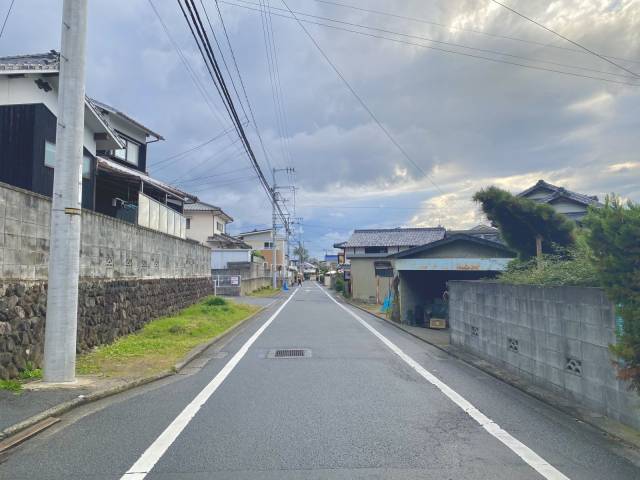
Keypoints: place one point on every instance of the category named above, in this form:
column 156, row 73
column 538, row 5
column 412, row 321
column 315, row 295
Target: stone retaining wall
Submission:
column 106, row 311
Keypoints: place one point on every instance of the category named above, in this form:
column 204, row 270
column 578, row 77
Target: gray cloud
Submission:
column 467, row 122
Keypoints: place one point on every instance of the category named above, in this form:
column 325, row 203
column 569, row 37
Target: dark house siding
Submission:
column 16, row 144
column 23, row 132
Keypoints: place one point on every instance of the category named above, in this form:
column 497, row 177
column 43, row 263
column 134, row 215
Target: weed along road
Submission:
column 314, row 389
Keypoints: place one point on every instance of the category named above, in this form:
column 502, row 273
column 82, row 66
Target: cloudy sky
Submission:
column 466, row 122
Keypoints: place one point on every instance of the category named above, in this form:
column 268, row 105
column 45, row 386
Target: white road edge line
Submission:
column 530, row 457
column 157, row 449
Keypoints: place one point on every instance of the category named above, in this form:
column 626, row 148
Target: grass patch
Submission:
column 265, row 292
column 15, row 385
column 163, row 342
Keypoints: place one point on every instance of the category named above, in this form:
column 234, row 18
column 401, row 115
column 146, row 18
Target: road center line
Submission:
column 157, row 449
column 530, row 457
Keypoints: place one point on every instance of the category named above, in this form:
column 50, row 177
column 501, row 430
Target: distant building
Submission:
column 367, row 250
column 261, row 242
column 572, row 204
column 207, row 224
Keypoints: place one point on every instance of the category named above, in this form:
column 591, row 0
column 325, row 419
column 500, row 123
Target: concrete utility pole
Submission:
column 64, row 256
column 274, row 247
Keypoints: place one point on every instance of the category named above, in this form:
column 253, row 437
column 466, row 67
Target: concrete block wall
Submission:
column 110, row 248
column 555, row 337
column 129, row 275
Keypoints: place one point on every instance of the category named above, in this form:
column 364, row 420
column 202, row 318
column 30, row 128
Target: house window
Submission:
column 375, row 249
column 86, row 166
column 268, row 244
column 129, row 153
column 220, row 227
column 50, row 159
column 50, row 154
column 188, row 226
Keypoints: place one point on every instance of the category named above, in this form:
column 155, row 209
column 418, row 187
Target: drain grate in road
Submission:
column 289, row 353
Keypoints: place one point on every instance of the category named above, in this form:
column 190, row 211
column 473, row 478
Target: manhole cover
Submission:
column 289, row 353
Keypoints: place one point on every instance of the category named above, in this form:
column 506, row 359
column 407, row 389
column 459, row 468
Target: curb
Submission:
column 64, row 407
column 609, row 426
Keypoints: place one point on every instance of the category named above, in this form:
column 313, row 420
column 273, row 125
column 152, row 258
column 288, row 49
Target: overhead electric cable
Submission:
column 470, row 30
column 582, row 47
column 456, row 45
column 362, row 102
column 455, row 52
column 244, row 90
column 206, row 51
column 6, row 17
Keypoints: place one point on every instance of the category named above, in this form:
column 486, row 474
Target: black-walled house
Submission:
column 114, row 171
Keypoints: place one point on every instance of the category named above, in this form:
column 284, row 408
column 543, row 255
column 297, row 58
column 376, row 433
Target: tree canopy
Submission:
column 521, row 220
column 614, row 238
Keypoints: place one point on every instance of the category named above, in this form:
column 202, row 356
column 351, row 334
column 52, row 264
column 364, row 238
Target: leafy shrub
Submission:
column 339, row 284
column 215, row 301
column 566, row 266
column 614, row 239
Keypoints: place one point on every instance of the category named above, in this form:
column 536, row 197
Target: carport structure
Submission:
column 424, row 272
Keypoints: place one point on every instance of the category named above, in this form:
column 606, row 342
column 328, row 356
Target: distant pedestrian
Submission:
column 299, row 280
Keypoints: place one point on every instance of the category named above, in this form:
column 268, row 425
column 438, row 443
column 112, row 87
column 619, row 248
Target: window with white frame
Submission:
column 220, row 227
column 130, row 153
column 268, row 244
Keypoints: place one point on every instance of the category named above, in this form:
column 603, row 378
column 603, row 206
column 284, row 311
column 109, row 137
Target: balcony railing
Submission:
column 157, row 216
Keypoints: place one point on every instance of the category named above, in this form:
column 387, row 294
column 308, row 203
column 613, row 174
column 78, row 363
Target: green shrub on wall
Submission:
column 614, row 239
column 521, row 220
column 566, row 266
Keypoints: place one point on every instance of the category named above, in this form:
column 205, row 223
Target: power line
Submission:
column 194, row 78
column 6, row 17
column 280, row 96
column 361, row 101
column 192, row 149
column 441, row 42
column 210, row 157
column 455, row 52
column 206, row 51
column 192, row 75
column 470, row 30
column 601, row 57
column 224, row 61
column 244, row 90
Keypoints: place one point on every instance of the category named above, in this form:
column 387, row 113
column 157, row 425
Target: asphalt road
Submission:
column 353, row 409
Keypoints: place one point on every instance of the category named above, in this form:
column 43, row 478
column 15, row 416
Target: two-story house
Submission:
column 572, row 204
column 114, row 177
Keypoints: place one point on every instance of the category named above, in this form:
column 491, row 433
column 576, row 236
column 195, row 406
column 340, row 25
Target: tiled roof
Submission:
column 557, row 192
column 396, row 237
column 44, row 62
column 228, row 241
column 206, row 207
column 201, row 207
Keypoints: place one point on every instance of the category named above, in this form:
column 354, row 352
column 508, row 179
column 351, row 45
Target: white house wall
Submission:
column 200, row 227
